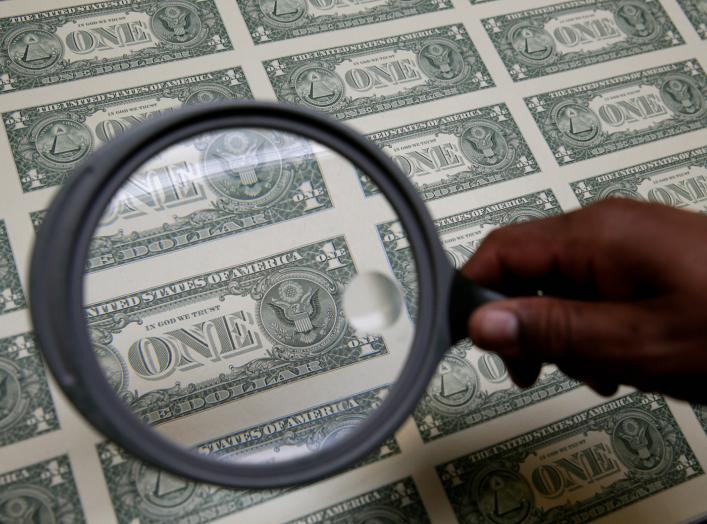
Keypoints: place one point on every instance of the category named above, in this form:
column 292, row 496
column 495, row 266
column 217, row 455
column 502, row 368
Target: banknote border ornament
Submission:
column 58, row 266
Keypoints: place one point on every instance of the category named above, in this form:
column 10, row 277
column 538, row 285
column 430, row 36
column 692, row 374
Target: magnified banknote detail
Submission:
column 26, row 405
column 678, row 180
column 150, row 342
column 272, row 20
column 576, row 469
column 72, row 43
column 590, row 120
column 49, row 141
column 379, row 75
column 566, row 36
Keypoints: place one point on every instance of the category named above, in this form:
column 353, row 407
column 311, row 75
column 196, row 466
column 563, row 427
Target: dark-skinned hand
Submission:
column 624, row 297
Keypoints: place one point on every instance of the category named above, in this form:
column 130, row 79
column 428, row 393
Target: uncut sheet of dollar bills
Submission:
column 499, row 111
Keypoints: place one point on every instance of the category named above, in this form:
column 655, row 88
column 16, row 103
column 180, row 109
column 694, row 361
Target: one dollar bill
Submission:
column 471, row 386
column 379, row 75
column 566, row 36
column 272, row 20
column 50, row 140
column 210, row 187
column 278, row 320
column 696, row 11
column 576, row 469
column 70, row 43
column 615, row 114
column 678, row 180
column 41, row 492
column 26, row 405
column 12, row 297
column 456, row 153
column 398, row 502
column 162, row 497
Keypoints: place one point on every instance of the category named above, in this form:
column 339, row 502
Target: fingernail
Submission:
column 497, row 327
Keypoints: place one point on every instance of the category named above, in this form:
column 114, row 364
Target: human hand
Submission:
column 624, row 297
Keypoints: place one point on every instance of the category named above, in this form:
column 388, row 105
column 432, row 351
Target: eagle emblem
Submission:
column 297, row 307
column 298, row 310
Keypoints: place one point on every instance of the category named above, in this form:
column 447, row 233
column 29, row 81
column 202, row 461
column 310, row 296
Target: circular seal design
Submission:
column 578, row 125
column 484, row 144
column 112, row 365
column 492, row 368
column 61, row 142
column 639, row 444
column 34, row 51
column 27, row 504
column 208, row 93
column 636, row 21
column 318, row 87
column 454, row 386
column 245, row 167
column 288, row 13
column 299, row 310
column 177, row 23
column 503, row 496
column 440, row 60
column 12, row 402
column 162, row 493
column 682, row 96
column 533, row 45
column 379, row 515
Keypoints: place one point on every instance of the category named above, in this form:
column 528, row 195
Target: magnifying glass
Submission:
column 211, row 290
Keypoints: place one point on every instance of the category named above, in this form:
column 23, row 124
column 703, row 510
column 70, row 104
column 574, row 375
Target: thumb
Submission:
column 551, row 329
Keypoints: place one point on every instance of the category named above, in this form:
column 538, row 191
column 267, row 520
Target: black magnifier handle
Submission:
column 466, row 296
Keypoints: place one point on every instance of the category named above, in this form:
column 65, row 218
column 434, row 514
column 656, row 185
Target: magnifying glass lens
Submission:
column 240, row 300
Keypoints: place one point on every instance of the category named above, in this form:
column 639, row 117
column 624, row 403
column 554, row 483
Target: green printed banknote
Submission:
column 577, row 469
column 565, row 36
column 696, row 11
column 471, row 386
column 12, row 297
column 212, row 186
column 621, row 112
column 140, row 492
column 701, row 414
column 396, row 503
column 456, row 153
column 41, row 492
column 49, row 141
column 70, row 43
column 26, row 406
column 271, row 20
column 379, row 75
column 193, row 344
column 678, row 180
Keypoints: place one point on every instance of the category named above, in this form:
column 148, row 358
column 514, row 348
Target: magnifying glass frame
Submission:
column 58, row 266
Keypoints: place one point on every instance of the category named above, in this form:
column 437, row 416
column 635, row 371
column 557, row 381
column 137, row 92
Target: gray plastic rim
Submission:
column 56, row 291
